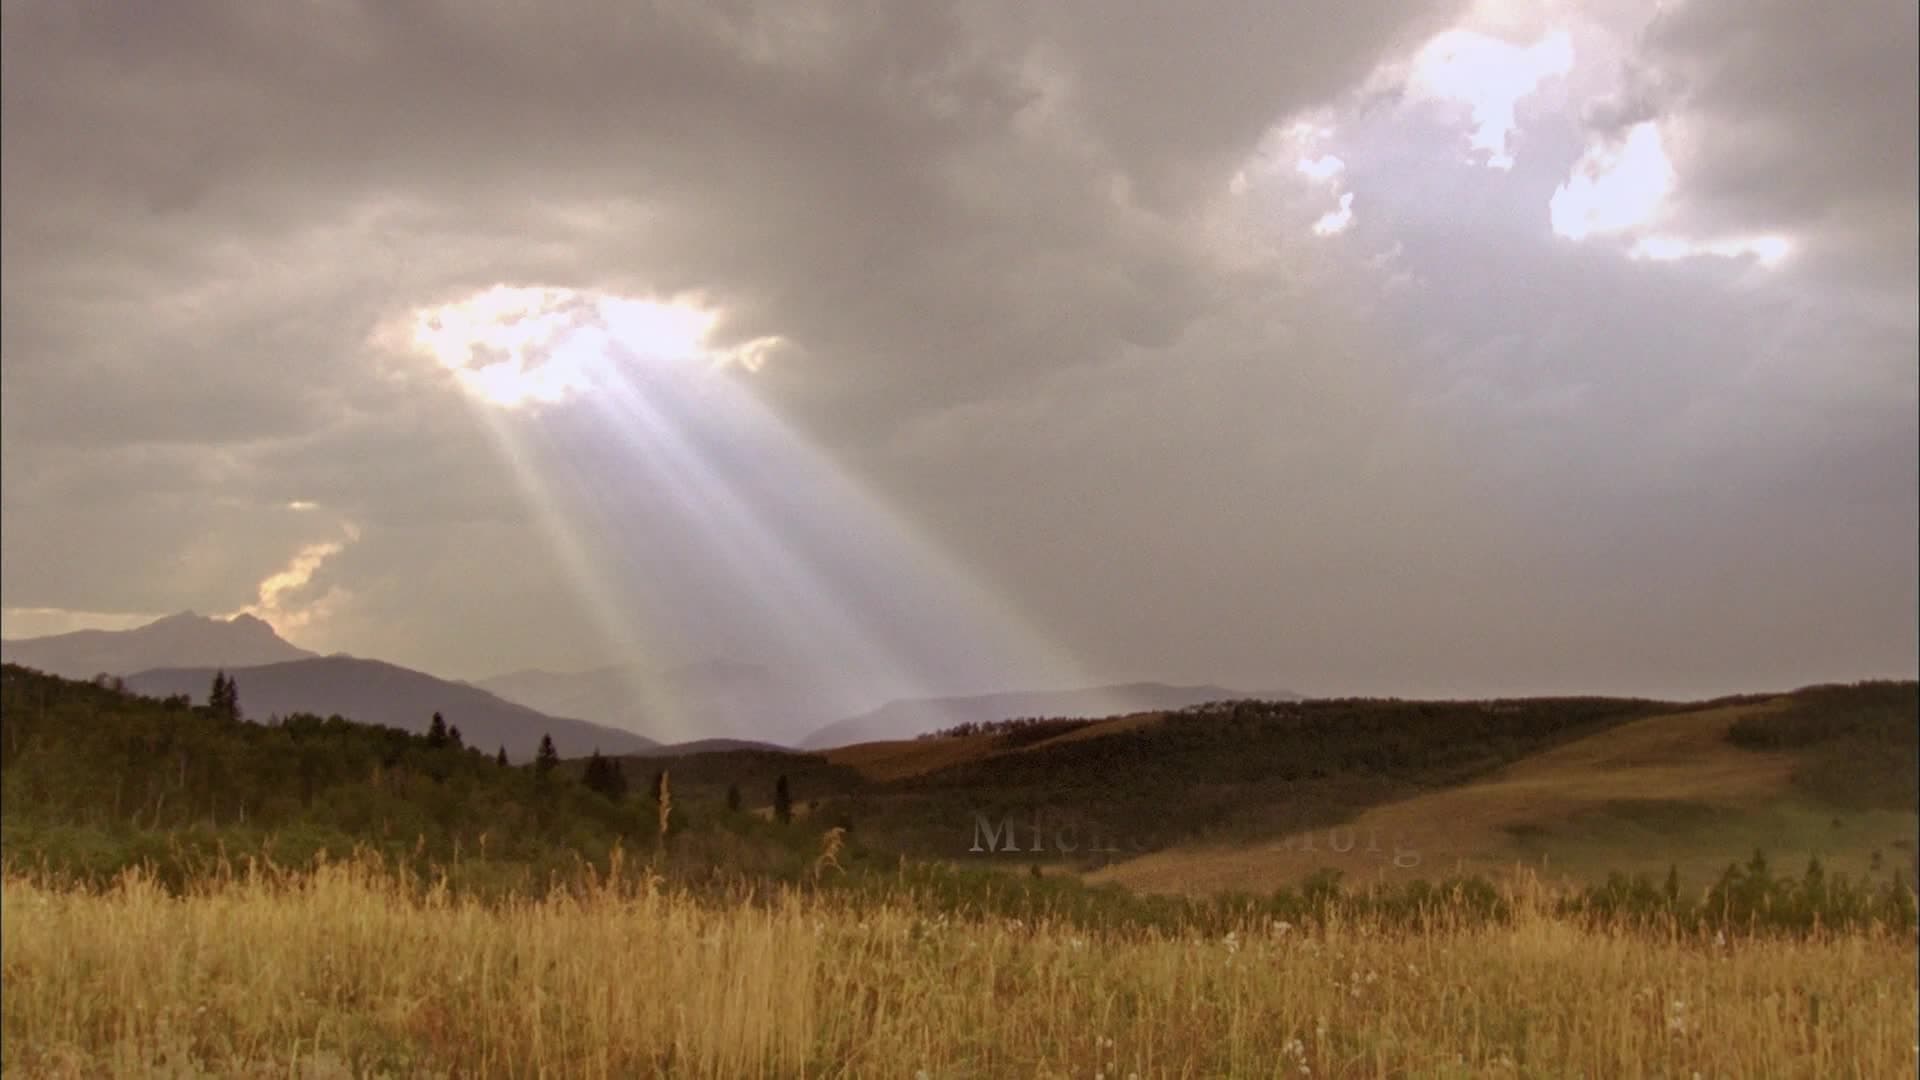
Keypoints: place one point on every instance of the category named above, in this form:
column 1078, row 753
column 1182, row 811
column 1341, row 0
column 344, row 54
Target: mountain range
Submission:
column 718, row 699
column 718, row 704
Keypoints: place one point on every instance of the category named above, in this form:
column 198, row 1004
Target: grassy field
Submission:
column 457, row 917
column 348, row 970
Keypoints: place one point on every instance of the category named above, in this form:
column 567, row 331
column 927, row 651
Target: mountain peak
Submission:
column 183, row 640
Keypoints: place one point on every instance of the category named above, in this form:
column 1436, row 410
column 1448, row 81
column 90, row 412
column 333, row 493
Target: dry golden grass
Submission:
column 899, row 759
column 1684, row 756
column 345, row 971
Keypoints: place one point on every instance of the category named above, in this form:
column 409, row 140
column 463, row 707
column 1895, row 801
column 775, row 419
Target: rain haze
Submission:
column 1375, row 349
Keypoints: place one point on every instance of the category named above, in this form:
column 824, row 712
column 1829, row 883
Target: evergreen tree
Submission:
column 501, row 758
column 547, row 758
column 604, row 776
column 782, row 801
column 224, row 699
column 454, row 737
column 733, row 797
column 437, row 732
column 220, row 695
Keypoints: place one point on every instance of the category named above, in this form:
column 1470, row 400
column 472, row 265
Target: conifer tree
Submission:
column 547, row 758
column 501, row 758
column 601, row 775
column 454, row 737
column 733, row 797
column 224, row 699
column 437, row 732
column 782, row 801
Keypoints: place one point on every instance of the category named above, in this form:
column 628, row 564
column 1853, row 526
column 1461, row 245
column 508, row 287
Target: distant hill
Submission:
column 185, row 640
column 373, row 692
column 716, row 699
column 713, row 746
column 908, row 719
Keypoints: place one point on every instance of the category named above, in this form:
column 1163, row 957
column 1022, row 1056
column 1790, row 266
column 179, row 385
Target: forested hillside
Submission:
column 99, row 778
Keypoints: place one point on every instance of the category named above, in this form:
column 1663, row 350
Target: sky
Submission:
column 1458, row 349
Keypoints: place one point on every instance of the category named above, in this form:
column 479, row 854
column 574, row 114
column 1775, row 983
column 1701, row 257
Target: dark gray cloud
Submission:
column 1182, row 435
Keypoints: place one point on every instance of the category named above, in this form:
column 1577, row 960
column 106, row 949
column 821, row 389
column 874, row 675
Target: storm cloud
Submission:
column 1044, row 285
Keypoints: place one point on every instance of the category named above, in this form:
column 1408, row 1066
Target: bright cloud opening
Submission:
column 1334, row 222
column 1619, row 189
column 1490, row 76
column 1769, row 251
column 1323, row 168
column 1614, row 188
column 514, row 346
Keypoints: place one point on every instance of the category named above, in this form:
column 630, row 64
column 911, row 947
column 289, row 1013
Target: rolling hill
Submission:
column 373, row 692
column 912, row 718
column 1691, row 789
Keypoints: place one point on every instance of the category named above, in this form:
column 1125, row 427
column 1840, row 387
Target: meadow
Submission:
column 187, row 894
column 356, row 968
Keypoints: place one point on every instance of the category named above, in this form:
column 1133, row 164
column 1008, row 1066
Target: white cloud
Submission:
column 1768, row 250
column 1326, row 168
column 26, row 622
column 281, row 599
column 1334, row 222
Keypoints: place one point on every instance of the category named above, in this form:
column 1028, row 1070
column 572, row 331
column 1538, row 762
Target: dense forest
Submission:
column 99, row 778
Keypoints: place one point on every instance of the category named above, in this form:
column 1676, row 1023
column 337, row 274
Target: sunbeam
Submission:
column 668, row 492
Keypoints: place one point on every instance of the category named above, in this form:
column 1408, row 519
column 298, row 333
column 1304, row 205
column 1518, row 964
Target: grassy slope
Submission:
column 1665, row 790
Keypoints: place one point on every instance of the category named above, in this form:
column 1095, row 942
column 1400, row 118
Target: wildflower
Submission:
column 1677, row 1022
